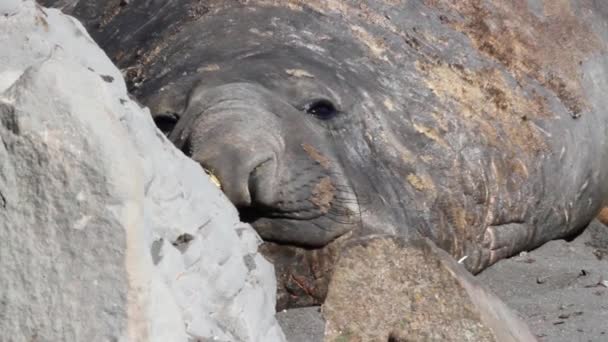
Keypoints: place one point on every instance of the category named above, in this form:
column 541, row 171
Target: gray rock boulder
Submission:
column 385, row 288
column 108, row 233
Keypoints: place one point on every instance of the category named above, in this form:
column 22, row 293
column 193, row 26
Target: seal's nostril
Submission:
column 247, row 180
column 260, row 192
column 260, row 182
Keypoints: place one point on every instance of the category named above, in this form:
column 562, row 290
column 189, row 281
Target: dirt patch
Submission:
column 603, row 216
column 421, row 183
column 431, row 133
column 315, row 155
column 549, row 50
column 492, row 108
column 323, row 194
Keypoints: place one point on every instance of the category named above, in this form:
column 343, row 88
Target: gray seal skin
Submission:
column 478, row 124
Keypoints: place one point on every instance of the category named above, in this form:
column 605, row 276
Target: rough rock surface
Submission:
column 302, row 324
column 108, row 232
column 385, row 288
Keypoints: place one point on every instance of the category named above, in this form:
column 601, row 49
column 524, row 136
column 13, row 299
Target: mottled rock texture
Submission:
column 387, row 289
column 107, row 232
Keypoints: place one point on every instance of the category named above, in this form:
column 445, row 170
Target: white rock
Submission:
column 9, row 7
column 93, row 199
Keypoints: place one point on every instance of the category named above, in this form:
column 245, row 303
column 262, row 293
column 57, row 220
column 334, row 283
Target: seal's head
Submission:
column 275, row 113
column 300, row 117
column 272, row 151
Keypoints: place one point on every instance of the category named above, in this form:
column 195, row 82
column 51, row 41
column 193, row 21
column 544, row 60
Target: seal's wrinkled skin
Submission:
column 478, row 124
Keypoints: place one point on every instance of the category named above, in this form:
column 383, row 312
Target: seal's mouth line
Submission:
column 252, row 214
column 249, row 215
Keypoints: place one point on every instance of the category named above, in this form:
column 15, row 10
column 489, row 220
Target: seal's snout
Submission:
column 244, row 172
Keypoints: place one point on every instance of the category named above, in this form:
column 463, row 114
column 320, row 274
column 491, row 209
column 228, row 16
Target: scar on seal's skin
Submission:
column 209, row 67
column 299, row 73
column 316, row 155
column 323, row 194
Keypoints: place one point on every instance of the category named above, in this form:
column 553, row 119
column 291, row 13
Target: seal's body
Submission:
column 480, row 125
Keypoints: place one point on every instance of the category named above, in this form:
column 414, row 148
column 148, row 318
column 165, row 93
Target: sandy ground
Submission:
column 559, row 289
column 302, row 324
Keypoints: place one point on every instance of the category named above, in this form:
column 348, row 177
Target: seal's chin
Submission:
column 302, row 225
column 312, row 233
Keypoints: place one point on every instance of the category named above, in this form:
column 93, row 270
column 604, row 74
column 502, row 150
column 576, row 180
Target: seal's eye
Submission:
column 322, row 109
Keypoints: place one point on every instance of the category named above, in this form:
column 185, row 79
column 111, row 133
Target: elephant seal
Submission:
column 478, row 125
